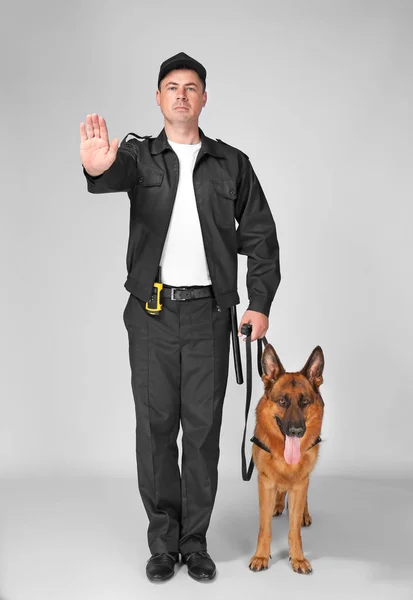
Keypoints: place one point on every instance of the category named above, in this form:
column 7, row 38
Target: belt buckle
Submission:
column 173, row 293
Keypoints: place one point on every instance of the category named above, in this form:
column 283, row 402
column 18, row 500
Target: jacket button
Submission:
column 140, row 179
column 232, row 192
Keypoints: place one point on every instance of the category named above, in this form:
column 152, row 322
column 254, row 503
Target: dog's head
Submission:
column 292, row 402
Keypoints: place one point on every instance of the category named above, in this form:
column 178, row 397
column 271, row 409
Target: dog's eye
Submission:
column 281, row 401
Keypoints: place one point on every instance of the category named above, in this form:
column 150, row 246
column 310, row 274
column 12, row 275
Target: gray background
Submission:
column 319, row 94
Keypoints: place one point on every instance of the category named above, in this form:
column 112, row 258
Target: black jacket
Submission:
column 225, row 186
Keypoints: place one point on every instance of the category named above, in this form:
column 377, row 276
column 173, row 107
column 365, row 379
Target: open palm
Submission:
column 96, row 152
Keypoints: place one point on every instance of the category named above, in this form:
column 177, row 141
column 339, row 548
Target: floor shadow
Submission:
column 367, row 520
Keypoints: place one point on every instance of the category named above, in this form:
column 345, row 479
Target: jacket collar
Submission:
column 209, row 146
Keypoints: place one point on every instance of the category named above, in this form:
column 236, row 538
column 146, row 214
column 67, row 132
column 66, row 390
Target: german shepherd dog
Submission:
column 287, row 431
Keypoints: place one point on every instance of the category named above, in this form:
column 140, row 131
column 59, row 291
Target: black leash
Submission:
column 246, row 329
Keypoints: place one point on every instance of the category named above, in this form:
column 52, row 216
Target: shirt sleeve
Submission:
column 121, row 176
column 257, row 239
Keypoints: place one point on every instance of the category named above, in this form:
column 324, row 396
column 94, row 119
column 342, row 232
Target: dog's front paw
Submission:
column 301, row 565
column 258, row 563
column 307, row 520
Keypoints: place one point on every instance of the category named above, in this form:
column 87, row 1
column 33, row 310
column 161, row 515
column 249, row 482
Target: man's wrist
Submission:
column 90, row 174
column 260, row 306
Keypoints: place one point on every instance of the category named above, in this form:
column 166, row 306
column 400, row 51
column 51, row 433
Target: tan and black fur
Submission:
column 291, row 405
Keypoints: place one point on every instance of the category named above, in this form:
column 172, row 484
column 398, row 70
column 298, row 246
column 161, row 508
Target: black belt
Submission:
column 186, row 293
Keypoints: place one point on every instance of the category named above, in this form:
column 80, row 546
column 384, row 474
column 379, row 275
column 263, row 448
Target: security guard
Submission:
column 187, row 192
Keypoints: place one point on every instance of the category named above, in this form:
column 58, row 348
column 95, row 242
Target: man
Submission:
column 186, row 191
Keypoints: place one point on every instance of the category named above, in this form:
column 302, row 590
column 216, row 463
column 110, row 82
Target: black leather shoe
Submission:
column 161, row 566
column 200, row 565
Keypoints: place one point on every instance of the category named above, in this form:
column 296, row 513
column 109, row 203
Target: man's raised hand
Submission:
column 95, row 151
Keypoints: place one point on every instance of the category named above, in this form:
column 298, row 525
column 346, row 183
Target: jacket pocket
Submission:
column 225, row 191
column 148, row 176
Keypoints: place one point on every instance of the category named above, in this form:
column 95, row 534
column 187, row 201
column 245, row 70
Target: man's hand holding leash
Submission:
column 259, row 323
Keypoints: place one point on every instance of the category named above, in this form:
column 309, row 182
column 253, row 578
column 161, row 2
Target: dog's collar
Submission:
column 260, row 444
column 264, row 447
column 316, row 441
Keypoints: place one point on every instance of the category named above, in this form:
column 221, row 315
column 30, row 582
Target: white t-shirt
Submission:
column 183, row 261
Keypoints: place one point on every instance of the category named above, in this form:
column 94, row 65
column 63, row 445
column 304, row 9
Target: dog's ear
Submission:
column 314, row 366
column 271, row 365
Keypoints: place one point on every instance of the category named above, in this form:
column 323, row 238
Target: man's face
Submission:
column 181, row 97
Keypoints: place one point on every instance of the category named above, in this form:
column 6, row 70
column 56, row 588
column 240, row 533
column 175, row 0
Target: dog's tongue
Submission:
column 292, row 449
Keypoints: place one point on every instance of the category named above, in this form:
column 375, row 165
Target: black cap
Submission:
column 181, row 61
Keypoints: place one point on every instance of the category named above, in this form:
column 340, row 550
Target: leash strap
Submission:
column 246, row 329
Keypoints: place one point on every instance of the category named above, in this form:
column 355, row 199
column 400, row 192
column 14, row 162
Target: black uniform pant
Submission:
column 179, row 363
